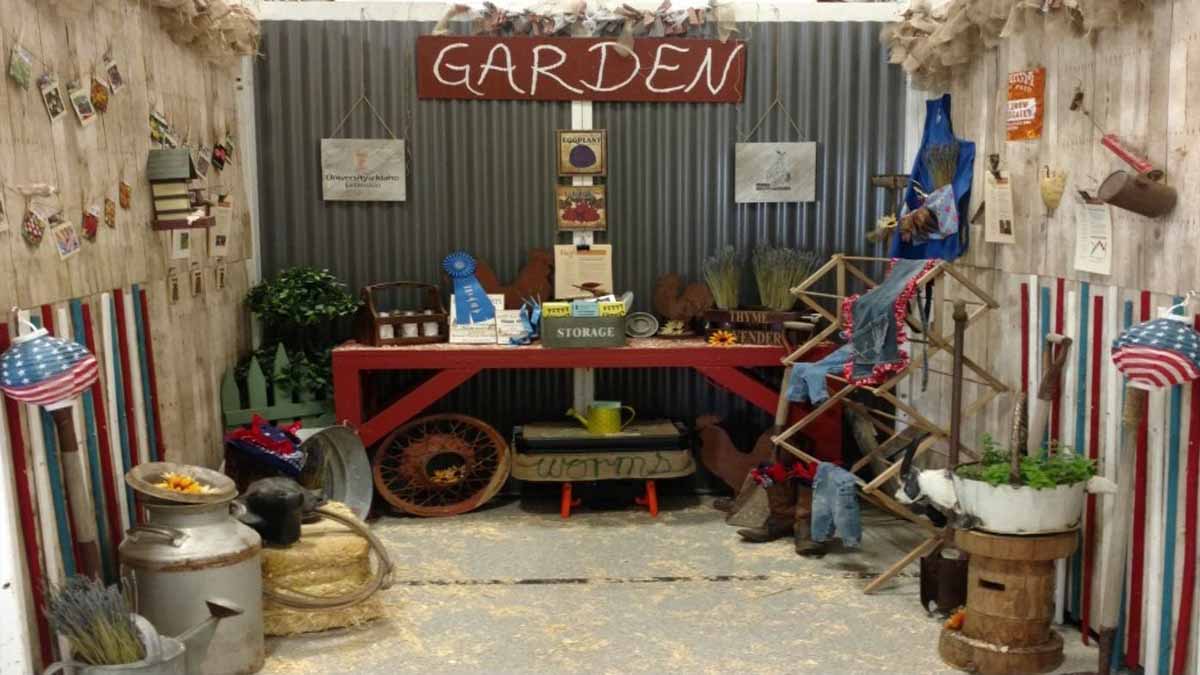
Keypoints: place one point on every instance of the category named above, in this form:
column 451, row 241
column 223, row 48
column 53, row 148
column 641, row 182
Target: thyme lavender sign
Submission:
column 362, row 170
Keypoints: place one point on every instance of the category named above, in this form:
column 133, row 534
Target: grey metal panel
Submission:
column 482, row 178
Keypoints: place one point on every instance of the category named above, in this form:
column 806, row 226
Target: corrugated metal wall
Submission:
column 482, row 178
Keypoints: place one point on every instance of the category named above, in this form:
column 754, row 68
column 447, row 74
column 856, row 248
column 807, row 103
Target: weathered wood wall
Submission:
column 1141, row 81
column 196, row 339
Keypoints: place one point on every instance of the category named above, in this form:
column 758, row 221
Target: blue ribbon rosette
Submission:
column 471, row 303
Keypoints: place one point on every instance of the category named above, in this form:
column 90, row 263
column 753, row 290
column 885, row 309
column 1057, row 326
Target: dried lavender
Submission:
column 777, row 271
column 96, row 620
column 942, row 162
column 723, row 274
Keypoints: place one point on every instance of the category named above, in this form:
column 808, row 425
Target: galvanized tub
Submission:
column 187, row 554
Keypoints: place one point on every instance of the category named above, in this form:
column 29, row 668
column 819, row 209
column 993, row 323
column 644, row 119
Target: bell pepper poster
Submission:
column 1026, row 104
column 581, row 207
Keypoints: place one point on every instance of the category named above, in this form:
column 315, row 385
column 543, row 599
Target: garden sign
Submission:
column 580, row 69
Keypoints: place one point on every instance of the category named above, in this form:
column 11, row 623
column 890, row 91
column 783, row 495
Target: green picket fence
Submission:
column 271, row 402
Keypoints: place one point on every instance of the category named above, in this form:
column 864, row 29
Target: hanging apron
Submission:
column 938, row 137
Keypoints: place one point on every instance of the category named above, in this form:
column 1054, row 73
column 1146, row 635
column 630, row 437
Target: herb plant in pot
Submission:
column 1026, row 494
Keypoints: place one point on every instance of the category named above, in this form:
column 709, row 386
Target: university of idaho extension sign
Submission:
column 580, row 69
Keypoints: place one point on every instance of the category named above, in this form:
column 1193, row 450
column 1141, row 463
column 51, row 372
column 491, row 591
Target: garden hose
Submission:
column 381, row 579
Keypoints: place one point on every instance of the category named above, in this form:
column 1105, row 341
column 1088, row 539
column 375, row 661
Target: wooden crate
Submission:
column 571, row 332
column 369, row 321
column 757, row 327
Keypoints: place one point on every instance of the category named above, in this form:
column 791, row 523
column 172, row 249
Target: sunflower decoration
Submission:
column 722, row 338
column 449, row 475
column 178, row 482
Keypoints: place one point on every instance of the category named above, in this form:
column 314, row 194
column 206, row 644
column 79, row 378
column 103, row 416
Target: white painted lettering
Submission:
column 465, row 70
column 658, row 65
column 538, row 69
column 508, row 68
column 706, row 68
column 604, row 47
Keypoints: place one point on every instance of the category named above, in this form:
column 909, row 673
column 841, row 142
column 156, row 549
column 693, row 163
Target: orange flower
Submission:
column 722, row 338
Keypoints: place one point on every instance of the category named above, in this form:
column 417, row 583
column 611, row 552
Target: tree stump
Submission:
column 1010, row 604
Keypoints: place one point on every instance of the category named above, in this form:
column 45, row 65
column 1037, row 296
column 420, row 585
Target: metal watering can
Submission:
column 164, row 655
column 604, row 417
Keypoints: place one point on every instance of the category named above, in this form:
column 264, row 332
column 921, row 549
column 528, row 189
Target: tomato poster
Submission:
column 1026, row 104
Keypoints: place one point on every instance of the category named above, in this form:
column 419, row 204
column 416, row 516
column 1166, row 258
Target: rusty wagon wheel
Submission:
column 441, row 465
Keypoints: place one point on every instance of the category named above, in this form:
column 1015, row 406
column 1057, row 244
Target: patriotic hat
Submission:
column 1160, row 353
column 42, row 369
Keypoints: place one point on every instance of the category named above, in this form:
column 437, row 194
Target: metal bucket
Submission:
column 186, row 555
column 346, row 476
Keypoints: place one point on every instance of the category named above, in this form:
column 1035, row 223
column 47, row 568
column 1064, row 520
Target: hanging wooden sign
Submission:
column 580, row 69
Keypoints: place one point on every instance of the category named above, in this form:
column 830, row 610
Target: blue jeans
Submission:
column 807, row 384
column 835, row 506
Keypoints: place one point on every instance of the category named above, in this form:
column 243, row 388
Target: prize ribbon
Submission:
column 471, row 303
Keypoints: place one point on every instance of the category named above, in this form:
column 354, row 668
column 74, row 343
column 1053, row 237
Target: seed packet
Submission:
column 99, row 95
column 52, row 97
column 115, row 80
column 81, row 101
column 20, row 66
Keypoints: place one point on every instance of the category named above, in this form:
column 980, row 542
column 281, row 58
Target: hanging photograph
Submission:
column 362, row 170
column 52, row 97
column 581, row 207
column 1026, row 104
column 583, row 153
column 775, row 172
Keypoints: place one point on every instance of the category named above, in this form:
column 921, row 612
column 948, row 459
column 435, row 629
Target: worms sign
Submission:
column 580, row 69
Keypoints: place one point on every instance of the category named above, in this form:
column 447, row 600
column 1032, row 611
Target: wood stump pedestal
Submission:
column 1010, row 604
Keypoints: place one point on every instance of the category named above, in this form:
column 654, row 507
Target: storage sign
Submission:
column 362, row 169
column 580, row 69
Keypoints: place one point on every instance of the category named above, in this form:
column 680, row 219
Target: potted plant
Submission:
column 1014, row 493
column 298, row 308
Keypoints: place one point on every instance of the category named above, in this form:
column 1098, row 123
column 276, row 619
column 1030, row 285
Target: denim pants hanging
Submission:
column 835, row 506
column 807, row 383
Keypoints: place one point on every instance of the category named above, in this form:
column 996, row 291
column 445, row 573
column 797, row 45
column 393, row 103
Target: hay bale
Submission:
column 328, row 561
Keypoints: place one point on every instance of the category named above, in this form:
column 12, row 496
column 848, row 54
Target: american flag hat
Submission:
column 42, row 369
column 1160, row 353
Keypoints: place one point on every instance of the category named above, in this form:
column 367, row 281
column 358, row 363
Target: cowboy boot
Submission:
column 781, row 502
column 731, row 505
column 803, row 525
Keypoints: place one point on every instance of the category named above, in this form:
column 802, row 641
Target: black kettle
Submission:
column 275, row 508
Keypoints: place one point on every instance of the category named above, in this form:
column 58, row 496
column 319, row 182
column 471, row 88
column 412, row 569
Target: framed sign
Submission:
column 1026, row 104
column 363, row 170
column 481, row 67
column 775, row 172
column 583, row 153
column 581, row 207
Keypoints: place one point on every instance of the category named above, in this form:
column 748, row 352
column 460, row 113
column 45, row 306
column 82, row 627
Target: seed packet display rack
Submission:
column 897, row 426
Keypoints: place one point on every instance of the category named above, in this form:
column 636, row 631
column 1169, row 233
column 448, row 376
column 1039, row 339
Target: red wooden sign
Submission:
column 580, row 69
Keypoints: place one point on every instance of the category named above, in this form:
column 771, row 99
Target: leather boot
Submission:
column 803, row 525
column 724, row 504
column 781, row 501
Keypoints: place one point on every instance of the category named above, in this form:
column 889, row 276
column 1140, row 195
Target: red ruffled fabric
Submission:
column 882, row 371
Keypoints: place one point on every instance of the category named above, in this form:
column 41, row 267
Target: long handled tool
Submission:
column 1054, row 357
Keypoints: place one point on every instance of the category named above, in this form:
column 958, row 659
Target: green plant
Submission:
column 1047, row 470
column 723, row 274
column 97, row 622
column 777, row 271
column 301, row 296
column 297, row 308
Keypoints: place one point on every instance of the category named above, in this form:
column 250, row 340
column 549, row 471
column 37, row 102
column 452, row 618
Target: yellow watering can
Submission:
column 604, row 417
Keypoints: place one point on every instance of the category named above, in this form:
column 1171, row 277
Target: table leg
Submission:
column 651, row 499
column 566, row 502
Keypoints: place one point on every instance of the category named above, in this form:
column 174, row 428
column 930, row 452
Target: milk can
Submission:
column 186, row 554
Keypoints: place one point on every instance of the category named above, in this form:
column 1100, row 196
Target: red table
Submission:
column 454, row 364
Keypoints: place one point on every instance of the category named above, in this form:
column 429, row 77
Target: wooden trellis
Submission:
column 842, row 268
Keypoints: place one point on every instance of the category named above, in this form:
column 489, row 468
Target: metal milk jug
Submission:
column 186, row 554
